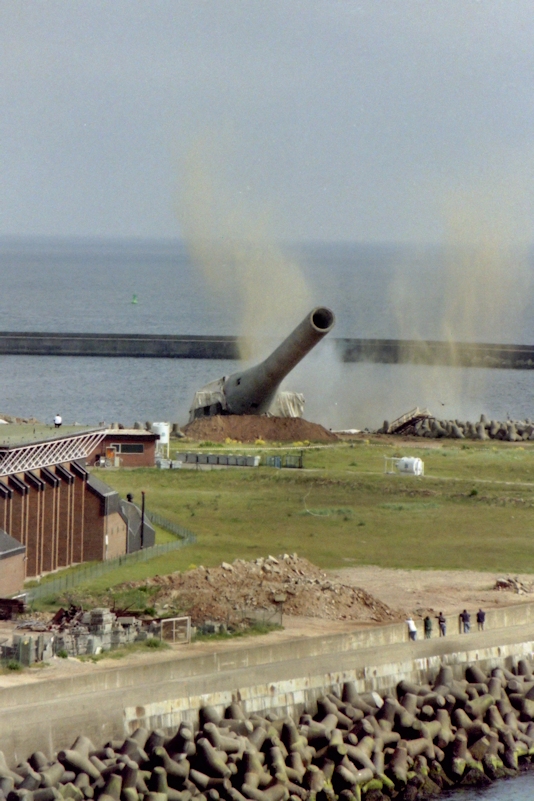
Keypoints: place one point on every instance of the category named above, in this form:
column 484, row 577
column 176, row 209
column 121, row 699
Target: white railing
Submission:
column 405, row 418
column 44, row 454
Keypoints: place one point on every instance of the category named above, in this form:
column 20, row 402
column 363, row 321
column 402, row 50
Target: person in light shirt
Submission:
column 57, row 420
column 412, row 628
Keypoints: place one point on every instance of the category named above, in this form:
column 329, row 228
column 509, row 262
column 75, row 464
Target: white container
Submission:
column 164, row 431
column 412, row 465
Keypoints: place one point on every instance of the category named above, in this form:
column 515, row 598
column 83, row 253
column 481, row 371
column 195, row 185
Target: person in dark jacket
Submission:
column 428, row 627
column 442, row 623
column 481, row 619
column 465, row 622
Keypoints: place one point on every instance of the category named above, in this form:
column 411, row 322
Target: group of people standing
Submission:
column 464, row 624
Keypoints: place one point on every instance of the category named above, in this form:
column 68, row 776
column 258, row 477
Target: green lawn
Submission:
column 342, row 509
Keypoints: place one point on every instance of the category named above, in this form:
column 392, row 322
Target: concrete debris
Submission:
column 230, row 592
column 73, row 632
column 514, row 585
column 425, row 425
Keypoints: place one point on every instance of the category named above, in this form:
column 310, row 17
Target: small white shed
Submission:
column 408, row 465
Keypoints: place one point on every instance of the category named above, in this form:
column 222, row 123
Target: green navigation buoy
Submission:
column 134, row 299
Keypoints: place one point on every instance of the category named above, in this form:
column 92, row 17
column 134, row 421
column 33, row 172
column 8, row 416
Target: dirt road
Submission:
column 419, row 591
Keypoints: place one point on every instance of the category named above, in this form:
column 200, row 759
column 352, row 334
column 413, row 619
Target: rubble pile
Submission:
column 75, row 633
column 228, row 592
column 514, row 585
column 416, row 742
column 249, row 428
column 95, row 631
column 432, row 428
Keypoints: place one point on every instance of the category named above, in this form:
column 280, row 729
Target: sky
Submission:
column 370, row 121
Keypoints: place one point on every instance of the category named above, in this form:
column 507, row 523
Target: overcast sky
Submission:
column 356, row 120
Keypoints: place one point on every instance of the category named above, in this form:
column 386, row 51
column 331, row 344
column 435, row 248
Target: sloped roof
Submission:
column 14, row 435
column 9, row 546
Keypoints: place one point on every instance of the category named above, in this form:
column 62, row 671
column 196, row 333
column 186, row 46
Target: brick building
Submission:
column 12, row 559
column 125, row 447
column 50, row 504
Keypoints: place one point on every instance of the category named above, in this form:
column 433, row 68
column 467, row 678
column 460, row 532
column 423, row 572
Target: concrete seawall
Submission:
column 286, row 676
column 169, row 346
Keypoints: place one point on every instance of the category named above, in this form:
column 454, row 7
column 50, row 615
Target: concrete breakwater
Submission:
column 424, row 425
column 282, row 677
column 422, row 737
column 170, row 346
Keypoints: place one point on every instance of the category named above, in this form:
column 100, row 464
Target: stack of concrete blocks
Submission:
column 98, row 630
column 100, row 623
column 29, row 649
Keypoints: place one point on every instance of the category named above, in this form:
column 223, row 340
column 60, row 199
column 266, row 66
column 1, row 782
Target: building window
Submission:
column 128, row 447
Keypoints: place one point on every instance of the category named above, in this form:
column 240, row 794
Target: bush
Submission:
column 63, row 654
column 152, row 642
column 13, row 664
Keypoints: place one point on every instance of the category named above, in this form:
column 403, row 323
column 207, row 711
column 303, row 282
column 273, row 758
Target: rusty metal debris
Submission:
column 10, row 608
column 514, row 585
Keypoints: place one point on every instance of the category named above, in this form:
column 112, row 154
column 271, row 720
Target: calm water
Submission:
column 374, row 291
column 519, row 789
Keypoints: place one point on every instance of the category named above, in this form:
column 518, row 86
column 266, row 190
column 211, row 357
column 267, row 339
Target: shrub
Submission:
column 13, row 664
column 63, row 654
column 152, row 642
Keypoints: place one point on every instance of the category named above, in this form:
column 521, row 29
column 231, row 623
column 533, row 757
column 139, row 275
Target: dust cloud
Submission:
column 477, row 292
column 230, row 243
column 473, row 287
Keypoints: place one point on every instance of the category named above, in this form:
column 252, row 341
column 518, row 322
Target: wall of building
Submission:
column 12, row 574
column 116, row 533
column 145, row 459
column 58, row 518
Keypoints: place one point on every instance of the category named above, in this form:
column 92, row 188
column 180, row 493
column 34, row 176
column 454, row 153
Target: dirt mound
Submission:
column 228, row 593
column 248, row 428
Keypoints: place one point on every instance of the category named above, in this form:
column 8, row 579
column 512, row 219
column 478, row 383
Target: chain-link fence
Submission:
column 174, row 528
column 86, row 573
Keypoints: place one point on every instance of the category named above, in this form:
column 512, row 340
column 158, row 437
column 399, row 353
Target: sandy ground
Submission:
column 409, row 591
column 419, row 591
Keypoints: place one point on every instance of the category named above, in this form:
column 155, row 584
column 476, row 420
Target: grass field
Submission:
column 473, row 508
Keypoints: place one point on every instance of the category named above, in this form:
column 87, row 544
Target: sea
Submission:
column 262, row 290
